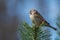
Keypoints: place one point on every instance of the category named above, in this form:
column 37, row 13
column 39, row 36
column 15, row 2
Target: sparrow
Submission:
column 38, row 19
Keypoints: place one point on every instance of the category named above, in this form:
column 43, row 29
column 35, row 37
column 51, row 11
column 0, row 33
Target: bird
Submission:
column 38, row 19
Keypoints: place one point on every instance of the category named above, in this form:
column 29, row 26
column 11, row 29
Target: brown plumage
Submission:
column 37, row 18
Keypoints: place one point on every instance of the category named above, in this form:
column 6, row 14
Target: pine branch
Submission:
column 34, row 33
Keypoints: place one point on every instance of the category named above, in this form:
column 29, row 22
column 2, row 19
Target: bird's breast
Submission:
column 32, row 17
column 35, row 20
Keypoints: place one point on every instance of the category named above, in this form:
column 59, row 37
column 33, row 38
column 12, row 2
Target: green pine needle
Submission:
column 34, row 33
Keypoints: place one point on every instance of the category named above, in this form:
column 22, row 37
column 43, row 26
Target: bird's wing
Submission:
column 41, row 18
column 38, row 19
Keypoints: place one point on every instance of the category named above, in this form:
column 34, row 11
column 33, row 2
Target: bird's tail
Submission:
column 51, row 27
column 48, row 25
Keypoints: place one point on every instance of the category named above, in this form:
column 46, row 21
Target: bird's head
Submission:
column 33, row 11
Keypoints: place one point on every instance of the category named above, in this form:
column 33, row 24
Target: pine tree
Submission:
column 34, row 33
